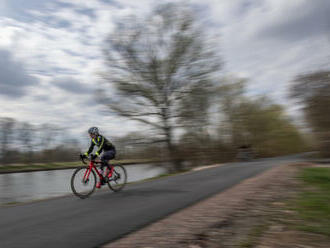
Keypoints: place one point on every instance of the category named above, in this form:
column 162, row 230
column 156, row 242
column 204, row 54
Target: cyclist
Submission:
column 105, row 146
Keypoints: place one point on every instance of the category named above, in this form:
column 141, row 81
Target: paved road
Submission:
column 72, row 222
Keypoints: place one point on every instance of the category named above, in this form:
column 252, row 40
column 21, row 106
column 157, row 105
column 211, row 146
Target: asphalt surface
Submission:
column 105, row 216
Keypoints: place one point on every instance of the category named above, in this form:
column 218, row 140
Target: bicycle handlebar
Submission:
column 83, row 159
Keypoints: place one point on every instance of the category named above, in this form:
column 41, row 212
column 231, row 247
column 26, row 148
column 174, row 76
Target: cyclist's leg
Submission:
column 106, row 156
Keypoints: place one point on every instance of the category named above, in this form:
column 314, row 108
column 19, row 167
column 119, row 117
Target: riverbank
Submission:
column 19, row 168
column 264, row 211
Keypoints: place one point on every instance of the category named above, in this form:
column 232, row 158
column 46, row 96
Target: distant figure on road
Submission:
column 104, row 145
column 245, row 153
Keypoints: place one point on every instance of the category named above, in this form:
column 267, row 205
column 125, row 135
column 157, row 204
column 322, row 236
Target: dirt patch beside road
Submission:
column 251, row 214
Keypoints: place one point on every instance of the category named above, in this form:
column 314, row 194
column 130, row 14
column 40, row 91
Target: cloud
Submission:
column 269, row 41
column 272, row 41
column 41, row 98
column 296, row 20
column 72, row 85
column 14, row 80
column 19, row 9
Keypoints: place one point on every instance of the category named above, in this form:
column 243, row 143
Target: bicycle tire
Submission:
column 74, row 179
column 114, row 183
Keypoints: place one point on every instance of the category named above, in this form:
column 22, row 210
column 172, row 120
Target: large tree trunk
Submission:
column 172, row 151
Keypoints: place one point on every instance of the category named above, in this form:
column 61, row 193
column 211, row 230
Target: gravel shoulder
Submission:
column 253, row 213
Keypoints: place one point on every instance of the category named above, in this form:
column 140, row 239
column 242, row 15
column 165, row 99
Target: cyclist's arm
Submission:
column 90, row 149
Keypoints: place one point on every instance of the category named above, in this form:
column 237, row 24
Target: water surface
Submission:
column 27, row 186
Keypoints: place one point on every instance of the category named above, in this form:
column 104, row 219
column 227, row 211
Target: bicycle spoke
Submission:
column 118, row 179
column 82, row 186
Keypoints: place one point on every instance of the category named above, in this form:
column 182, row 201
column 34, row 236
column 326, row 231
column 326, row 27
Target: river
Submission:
column 29, row 186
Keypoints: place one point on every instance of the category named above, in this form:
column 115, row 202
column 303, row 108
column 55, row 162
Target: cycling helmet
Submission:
column 93, row 130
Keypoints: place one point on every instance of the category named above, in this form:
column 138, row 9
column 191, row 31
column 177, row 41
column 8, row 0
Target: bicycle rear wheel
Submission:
column 83, row 187
column 118, row 179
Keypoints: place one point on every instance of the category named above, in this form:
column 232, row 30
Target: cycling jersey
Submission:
column 102, row 144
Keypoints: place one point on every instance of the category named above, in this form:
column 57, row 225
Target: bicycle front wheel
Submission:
column 118, row 179
column 83, row 183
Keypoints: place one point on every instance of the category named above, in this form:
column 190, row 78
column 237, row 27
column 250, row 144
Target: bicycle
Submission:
column 83, row 180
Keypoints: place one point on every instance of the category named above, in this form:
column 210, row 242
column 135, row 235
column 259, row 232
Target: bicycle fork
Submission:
column 86, row 176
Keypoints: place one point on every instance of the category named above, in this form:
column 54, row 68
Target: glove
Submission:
column 83, row 156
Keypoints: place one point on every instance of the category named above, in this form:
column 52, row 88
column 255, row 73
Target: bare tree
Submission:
column 313, row 92
column 48, row 134
column 231, row 96
column 193, row 113
column 156, row 65
column 6, row 132
column 26, row 136
column 257, row 122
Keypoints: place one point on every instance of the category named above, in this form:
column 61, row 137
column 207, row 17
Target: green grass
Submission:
column 33, row 167
column 253, row 236
column 11, row 203
column 313, row 205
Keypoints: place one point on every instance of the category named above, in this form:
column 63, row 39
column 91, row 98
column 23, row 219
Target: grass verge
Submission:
column 253, row 236
column 313, row 204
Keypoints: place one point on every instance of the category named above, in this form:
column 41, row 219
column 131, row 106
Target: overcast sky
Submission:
column 50, row 52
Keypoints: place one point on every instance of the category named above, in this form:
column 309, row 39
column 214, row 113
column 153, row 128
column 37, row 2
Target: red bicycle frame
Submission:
column 93, row 167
